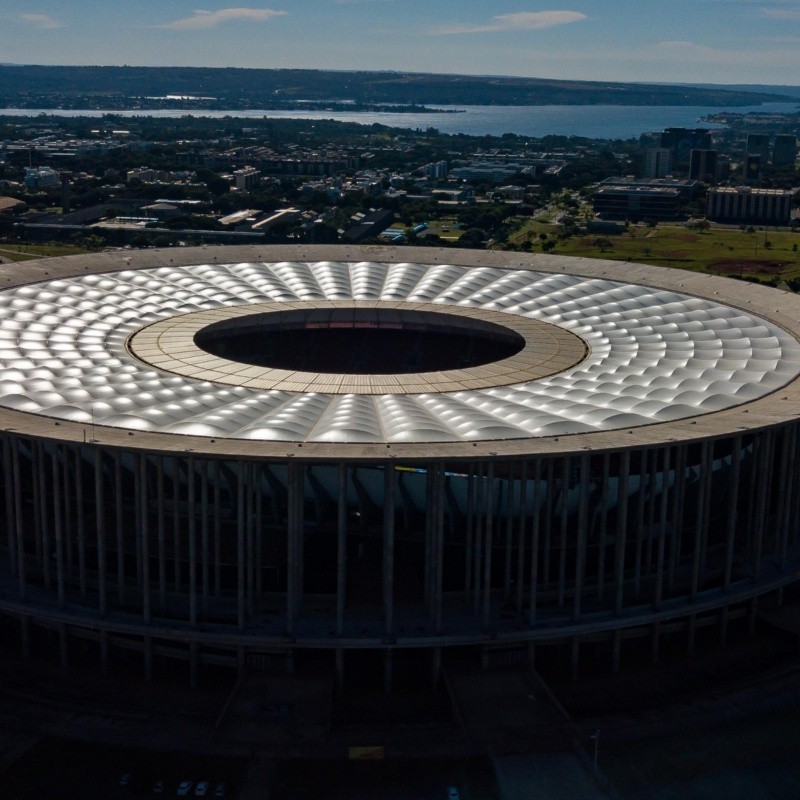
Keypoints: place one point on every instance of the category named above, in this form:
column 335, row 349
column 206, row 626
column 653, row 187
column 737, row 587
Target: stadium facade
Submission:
column 203, row 458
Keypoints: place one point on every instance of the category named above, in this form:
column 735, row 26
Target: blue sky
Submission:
column 718, row 41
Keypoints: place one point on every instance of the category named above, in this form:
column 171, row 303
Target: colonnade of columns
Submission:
column 275, row 554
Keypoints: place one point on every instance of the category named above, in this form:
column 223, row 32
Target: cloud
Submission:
column 517, row 21
column 781, row 13
column 44, row 21
column 210, row 19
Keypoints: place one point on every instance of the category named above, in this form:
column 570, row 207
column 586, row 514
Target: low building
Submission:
column 637, row 202
column 42, row 178
column 369, row 225
column 247, row 179
column 10, row 205
column 746, row 204
column 688, row 188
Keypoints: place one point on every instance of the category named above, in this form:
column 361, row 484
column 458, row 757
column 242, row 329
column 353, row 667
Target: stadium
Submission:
column 233, row 456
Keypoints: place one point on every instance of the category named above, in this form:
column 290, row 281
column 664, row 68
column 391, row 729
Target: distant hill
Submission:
column 114, row 87
column 759, row 88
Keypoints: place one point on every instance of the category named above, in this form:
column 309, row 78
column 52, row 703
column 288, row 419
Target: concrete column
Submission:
column 662, row 528
column 23, row 589
column 100, row 530
column 470, row 514
column 655, row 643
column 161, row 525
column 258, row 490
column 563, row 530
column 38, row 502
column 521, row 533
column 548, row 520
column 794, row 514
column 733, row 499
column 601, row 554
column 217, row 532
column 44, row 515
column 58, row 525
column 785, row 482
column 137, row 516
column 621, row 537
column 580, row 546
column 534, row 578
column 25, row 635
column 240, row 542
column 575, row 657
column 487, row 574
column 676, row 528
column 388, row 549
column 148, row 658
column 250, row 546
column 428, row 534
column 204, row 525
column 104, row 642
column 294, row 532
column 387, row 671
column 339, row 670
column 699, row 516
column 191, row 479
column 436, row 671
column 439, row 548
column 63, row 645
column 341, row 556
column 509, row 531
column 709, row 475
column 68, row 524
column 651, row 511
column 480, row 500
column 640, row 506
column 79, row 506
column 119, row 529
column 8, row 492
column 762, row 490
column 176, row 521
column 194, row 664
column 616, row 647
column 144, row 534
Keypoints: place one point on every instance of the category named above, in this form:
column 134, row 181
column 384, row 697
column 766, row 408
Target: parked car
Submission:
column 125, row 780
column 184, row 788
column 452, row 793
column 158, row 787
column 201, row 790
column 221, row 790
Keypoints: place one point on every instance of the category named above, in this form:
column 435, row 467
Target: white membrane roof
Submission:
column 654, row 355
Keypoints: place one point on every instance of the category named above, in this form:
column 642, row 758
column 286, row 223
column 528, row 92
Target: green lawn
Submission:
column 719, row 250
column 26, row 252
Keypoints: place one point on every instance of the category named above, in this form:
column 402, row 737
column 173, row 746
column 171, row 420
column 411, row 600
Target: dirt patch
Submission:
column 686, row 237
column 739, row 267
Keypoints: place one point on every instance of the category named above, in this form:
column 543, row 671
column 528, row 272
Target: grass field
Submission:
column 26, row 252
column 725, row 251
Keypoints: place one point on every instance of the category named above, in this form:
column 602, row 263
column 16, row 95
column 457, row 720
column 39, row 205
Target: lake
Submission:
column 597, row 122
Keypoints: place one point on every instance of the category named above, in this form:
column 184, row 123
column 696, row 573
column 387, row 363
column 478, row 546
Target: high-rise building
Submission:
column 657, row 162
column 751, row 169
column 784, row 151
column 703, row 166
column 758, row 145
column 681, row 141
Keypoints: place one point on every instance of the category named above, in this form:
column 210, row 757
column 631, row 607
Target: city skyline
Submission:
column 715, row 41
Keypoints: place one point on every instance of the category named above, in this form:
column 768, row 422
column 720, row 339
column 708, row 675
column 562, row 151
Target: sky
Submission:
column 708, row 41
